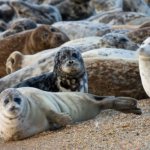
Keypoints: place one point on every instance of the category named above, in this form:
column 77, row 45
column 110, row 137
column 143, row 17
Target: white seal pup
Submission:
column 25, row 112
column 144, row 64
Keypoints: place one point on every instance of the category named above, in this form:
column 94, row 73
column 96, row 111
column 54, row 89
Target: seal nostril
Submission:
column 70, row 61
column 12, row 108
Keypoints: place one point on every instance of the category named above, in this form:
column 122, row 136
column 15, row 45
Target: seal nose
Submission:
column 71, row 62
column 12, row 108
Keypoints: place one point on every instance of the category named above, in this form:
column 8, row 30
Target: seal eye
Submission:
column 63, row 57
column 123, row 40
column 17, row 100
column 53, row 30
column 74, row 55
column 45, row 35
column 6, row 101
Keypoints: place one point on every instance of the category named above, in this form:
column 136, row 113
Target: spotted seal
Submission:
column 144, row 64
column 69, row 74
column 25, row 112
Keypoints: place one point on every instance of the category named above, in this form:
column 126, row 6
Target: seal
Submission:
column 42, row 14
column 117, row 40
column 69, row 9
column 69, row 74
column 18, row 25
column 28, row 111
column 46, row 37
column 144, row 64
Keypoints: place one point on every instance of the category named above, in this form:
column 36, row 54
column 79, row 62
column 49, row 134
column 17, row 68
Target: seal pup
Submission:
column 69, row 74
column 75, row 9
column 144, row 64
column 28, row 111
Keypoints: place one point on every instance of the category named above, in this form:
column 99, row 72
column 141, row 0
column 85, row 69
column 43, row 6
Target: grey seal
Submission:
column 25, row 112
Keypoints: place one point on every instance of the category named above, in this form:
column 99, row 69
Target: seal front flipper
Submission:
column 60, row 119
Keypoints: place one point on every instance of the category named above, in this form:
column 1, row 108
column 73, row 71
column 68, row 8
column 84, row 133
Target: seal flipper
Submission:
column 60, row 119
column 123, row 104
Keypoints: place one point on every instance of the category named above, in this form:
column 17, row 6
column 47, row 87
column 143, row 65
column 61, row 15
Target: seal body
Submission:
column 144, row 64
column 28, row 111
column 69, row 74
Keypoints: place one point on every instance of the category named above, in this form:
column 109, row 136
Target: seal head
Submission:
column 11, row 103
column 69, row 62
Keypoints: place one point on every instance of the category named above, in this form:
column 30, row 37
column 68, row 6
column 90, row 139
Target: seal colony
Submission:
column 69, row 74
column 25, row 112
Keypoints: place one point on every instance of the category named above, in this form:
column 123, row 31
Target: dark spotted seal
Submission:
column 69, row 74
column 25, row 112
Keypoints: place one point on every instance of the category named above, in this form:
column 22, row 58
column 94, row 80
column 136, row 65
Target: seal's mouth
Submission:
column 14, row 110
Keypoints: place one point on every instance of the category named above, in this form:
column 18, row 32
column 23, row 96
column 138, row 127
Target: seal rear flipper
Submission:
column 123, row 104
column 127, row 105
column 59, row 119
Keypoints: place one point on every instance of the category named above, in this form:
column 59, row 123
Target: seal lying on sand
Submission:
column 69, row 74
column 25, row 112
column 144, row 64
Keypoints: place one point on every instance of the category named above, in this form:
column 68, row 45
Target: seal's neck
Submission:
column 79, row 84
